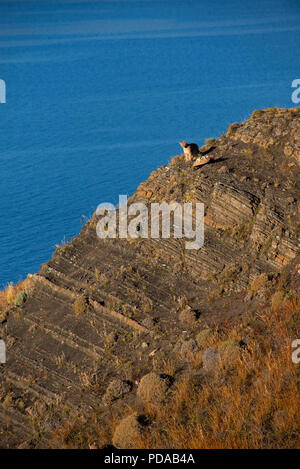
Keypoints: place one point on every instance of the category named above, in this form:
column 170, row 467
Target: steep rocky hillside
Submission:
column 110, row 311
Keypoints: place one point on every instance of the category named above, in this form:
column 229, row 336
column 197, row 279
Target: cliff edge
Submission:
column 112, row 311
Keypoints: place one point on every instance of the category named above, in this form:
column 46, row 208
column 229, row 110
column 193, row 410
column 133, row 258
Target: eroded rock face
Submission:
column 250, row 192
column 271, row 127
column 230, row 206
column 251, row 195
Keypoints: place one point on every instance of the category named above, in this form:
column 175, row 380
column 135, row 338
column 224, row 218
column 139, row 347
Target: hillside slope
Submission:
column 112, row 309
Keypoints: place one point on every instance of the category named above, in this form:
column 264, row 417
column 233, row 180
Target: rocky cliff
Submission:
column 108, row 311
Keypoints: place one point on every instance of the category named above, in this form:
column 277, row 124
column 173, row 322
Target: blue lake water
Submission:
column 100, row 92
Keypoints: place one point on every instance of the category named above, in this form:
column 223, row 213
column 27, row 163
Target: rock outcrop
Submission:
column 105, row 310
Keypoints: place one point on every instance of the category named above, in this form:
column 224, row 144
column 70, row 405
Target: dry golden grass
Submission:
column 258, row 282
column 9, row 295
column 277, row 300
column 255, row 403
column 79, row 433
